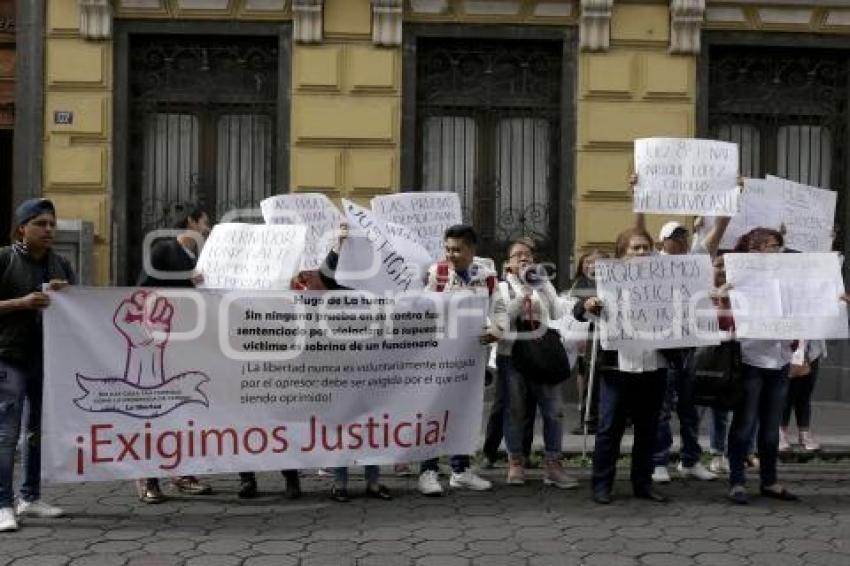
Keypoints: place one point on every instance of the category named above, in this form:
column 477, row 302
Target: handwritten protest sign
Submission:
column 657, row 302
column 371, row 259
column 761, row 205
column 809, row 215
column 787, row 296
column 686, row 176
column 427, row 214
column 269, row 380
column 314, row 210
column 251, row 256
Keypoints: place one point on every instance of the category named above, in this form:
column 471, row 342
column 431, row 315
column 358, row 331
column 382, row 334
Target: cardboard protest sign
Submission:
column 313, row 210
column 251, row 256
column 787, row 295
column 426, row 214
column 686, row 176
column 371, row 259
column 660, row 301
column 808, row 215
column 761, row 205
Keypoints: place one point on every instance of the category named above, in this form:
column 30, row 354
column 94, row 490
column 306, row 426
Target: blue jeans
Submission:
column 680, row 388
column 17, row 385
column 620, row 395
column 764, row 399
column 498, row 422
column 549, row 399
column 341, row 475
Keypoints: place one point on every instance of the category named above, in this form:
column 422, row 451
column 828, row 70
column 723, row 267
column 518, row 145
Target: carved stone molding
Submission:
column 595, row 30
column 95, row 19
column 308, row 17
column 386, row 22
column 686, row 17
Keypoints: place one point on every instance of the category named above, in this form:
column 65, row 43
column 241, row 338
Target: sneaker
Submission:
column 149, row 492
column 719, row 464
column 468, row 479
column 190, row 485
column 738, row 495
column 784, row 445
column 8, row 522
column 516, row 472
column 38, row 508
column 661, row 475
column 808, row 441
column 753, row 462
column 429, row 484
column 554, row 474
column 697, row 471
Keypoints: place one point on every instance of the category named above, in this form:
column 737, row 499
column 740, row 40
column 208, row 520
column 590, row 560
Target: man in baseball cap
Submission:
column 673, row 238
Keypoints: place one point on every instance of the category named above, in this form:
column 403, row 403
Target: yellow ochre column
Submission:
column 346, row 108
column 635, row 89
column 78, row 130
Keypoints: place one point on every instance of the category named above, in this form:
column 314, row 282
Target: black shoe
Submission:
column 340, row 494
column 293, row 487
column 380, row 491
column 247, row 489
column 652, row 495
column 601, row 497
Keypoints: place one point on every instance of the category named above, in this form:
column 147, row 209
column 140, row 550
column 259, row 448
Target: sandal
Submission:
column 149, row 492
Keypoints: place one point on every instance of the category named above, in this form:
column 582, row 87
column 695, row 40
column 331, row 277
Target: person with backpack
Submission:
column 458, row 271
column 523, row 306
column 27, row 268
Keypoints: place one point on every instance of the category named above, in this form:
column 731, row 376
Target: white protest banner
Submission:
column 251, row 256
column 787, row 295
column 809, row 215
column 686, row 176
column 373, row 260
column 316, row 212
column 659, row 301
column 761, row 205
column 427, row 214
column 176, row 382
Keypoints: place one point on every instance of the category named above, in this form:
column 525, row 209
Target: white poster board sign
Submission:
column 787, row 295
column 250, row 382
column 313, row 210
column 686, row 176
column 427, row 214
column 251, row 256
column 659, row 301
column 761, row 205
column 373, row 260
column 809, row 215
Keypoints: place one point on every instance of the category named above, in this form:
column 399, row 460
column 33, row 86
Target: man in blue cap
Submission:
column 27, row 267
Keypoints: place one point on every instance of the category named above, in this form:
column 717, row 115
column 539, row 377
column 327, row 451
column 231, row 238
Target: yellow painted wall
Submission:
column 77, row 157
column 346, row 109
column 634, row 90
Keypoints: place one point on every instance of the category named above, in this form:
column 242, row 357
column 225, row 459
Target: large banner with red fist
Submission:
column 152, row 382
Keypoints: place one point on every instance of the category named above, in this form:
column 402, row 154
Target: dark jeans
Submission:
column 499, row 421
column 20, row 384
column 638, row 395
column 764, row 399
column 288, row 475
column 680, row 389
column 549, row 399
column 459, row 464
column 800, row 398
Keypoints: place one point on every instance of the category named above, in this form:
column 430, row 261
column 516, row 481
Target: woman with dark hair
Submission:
column 26, row 267
column 633, row 383
column 530, row 298
column 584, row 286
column 765, row 386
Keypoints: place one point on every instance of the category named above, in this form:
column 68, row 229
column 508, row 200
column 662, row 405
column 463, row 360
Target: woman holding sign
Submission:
column 633, row 383
column 765, row 370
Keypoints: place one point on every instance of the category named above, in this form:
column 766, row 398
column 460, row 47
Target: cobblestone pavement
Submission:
column 528, row 525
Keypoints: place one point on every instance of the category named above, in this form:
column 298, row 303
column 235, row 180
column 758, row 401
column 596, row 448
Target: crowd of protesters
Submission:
column 632, row 387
